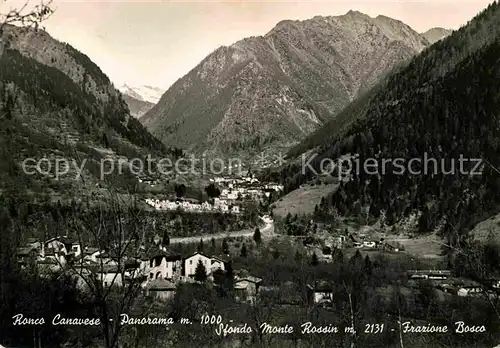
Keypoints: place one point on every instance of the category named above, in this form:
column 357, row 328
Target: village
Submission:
column 160, row 271
column 441, row 280
column 232, row 192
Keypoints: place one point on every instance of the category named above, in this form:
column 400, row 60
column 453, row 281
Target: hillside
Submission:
column 435, row 34
column 430, row 64
column 442, row 106
column 57, row 105
column 137, row 107
column 269, row 92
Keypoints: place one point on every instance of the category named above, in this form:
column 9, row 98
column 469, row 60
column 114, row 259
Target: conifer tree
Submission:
column 200, row 273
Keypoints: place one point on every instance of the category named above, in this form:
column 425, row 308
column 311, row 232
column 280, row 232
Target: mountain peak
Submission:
column 145, row 93
column 435, row 34
column 270, row 91
column 356, row 13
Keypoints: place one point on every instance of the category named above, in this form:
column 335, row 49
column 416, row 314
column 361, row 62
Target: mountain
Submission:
column 438, row 111
column 140, row 99
column 57, row 106
column 269, row 92
column 435, row 34
column 136, row 106
column 143, row 93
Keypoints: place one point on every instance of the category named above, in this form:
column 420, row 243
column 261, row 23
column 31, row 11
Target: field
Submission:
column 427, row 247
column 302, row 200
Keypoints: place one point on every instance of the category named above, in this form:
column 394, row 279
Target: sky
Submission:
column 157, row 42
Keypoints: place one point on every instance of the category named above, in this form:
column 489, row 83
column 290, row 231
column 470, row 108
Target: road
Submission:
column 267, row 232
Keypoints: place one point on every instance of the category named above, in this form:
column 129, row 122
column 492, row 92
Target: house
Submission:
column 90, row 254
column 320, row 292
column 48, row 266
column 27, row 255
column 58, row 257
column 274, row 186
column 164, row 265
column 235, row 209
column 232, row 195
column 34, row 242
column 161, row 289
column 109, row 275
column 106, row 258
column 246, row 288
column 429, row 274
column 335, row 242
column 369, row 244
column 206, row 206
column 191, row 262
column 469, row 288
column 132, row 269
column 217, row 262
column 494, row 284
column 448, row 288
column 76, row 249
column 391, row 246
column 219, row 202
column 143, row 260
column 461, row 287
column 56, row 244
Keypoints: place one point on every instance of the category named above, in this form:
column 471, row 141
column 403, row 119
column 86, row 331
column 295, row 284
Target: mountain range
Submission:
column 436, row 34
column 269, row 92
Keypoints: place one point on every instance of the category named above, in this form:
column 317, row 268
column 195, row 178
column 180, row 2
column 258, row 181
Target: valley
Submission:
column 178, row 205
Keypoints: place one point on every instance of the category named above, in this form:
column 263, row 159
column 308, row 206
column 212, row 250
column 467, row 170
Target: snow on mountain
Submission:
column 143, row 93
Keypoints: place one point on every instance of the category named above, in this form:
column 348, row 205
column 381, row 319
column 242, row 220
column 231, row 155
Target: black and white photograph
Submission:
column 249, row 174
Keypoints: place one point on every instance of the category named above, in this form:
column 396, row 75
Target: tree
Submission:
column 243, row 251
column 8, row 107
column 225, row 246
column 180, row 190
column 257, row 236
column 368, row 266
column 166, row 239
column 276, row 253
column 200, row 246
column 356, row 261
column 114, row 229
column 200, row 274
column 228, row 279
column 212, row 191
column 24, row 17
column 314, row 260
column 105, row 140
